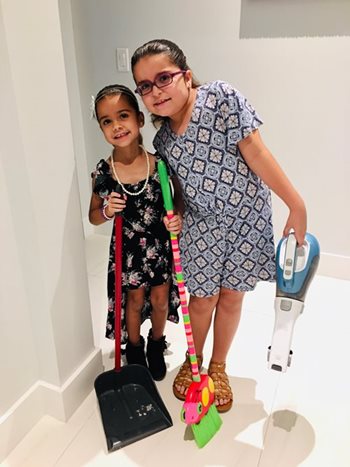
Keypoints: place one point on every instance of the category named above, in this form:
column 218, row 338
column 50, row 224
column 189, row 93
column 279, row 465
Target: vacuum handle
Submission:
column 289, row 259
column 168, row 204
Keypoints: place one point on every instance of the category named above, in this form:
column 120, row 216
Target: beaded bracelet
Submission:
column 103, row 212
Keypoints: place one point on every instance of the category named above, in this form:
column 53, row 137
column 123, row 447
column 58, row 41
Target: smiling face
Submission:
column 167, row 101
column 119, row 121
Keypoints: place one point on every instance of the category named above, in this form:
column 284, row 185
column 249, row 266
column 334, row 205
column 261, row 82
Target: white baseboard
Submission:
column 47, row 399
column 334, row 266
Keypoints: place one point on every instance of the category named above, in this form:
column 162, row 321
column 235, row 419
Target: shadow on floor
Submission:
column 289, row 439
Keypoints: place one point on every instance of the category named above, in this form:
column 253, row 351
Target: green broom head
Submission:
column 199, row 410
column 207, row 427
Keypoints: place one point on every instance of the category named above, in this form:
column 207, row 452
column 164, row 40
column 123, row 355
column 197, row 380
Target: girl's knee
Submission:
column 159, row 303
column 203, row 304
column 160, row 297
column 135, row 301
column 232, row 299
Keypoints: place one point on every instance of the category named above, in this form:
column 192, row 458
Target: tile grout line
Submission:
column 73, row 438
column 269, row 423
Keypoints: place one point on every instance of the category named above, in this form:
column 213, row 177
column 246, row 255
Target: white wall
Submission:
column 298, row 85
column 14, row 315
column 48, row 360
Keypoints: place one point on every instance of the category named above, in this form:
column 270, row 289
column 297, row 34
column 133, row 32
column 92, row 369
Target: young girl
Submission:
column 148, row 290
column 209, row 136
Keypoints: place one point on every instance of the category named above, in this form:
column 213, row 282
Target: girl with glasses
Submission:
column 127, row 182
column 210, row 138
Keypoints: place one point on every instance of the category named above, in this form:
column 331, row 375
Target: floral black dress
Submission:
column 146, row 248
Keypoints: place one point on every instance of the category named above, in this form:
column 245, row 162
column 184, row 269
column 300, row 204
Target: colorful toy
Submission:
column 199, row 398
column 296, row 267
column 198, row 409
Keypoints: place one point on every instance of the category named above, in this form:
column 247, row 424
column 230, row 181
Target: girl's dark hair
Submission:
column 115, row 89
column 118, row 89
column 175, row 55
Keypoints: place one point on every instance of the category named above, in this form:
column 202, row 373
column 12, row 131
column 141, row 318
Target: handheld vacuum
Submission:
column 295, row 269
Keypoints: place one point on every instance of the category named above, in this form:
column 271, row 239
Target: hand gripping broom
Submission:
column 198, row 410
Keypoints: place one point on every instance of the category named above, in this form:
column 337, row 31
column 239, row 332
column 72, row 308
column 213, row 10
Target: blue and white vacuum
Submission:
column 295, row 268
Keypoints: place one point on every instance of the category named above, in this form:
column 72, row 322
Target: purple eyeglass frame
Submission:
column 153, row 83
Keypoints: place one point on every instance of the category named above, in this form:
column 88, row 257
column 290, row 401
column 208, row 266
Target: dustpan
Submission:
column 130, row 405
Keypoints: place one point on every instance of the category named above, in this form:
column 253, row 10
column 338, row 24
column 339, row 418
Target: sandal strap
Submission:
column 218, row 367
column 184, row 375
column 220, row 379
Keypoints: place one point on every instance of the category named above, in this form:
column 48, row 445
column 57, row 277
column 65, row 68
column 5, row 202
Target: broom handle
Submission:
column 118, row 232
column 168, row 204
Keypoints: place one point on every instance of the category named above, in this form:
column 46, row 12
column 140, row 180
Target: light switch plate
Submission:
column 123, row 59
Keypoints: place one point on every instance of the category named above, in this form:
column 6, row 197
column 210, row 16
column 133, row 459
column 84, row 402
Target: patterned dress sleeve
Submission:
column 238, row 116
column 158, row 143
column 159, row 157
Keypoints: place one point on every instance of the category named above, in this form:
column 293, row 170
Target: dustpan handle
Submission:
column 168, row 204
column 118, row 232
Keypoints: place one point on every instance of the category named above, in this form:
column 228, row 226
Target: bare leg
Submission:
column 226, row 321
column 156, row 339
column 200, row 311
column 160, row 307
column 134, row 306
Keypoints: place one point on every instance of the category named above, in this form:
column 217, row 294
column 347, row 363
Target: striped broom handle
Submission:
column 168, row 204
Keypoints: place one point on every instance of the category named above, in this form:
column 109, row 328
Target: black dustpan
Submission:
column 130, row 405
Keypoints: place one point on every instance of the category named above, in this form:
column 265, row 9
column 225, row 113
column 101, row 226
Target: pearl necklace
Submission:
column 135, row 193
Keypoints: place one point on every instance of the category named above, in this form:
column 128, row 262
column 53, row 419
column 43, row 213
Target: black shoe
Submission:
column 155, row 357
column 136, row 353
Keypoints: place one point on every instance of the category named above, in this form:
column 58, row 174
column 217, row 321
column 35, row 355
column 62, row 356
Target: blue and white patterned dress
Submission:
column 227, row 238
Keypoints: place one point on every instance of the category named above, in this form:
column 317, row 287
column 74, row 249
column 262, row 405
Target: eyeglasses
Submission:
column 161, row 81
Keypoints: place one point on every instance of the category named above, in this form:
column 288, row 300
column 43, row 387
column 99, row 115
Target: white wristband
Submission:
column 103, row 212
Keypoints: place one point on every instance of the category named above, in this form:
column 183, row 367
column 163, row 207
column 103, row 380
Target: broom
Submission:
column 199, row 410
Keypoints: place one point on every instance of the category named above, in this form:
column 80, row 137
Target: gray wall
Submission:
column 294, row 18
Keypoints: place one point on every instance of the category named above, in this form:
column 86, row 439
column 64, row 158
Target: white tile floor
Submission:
column 298, row 418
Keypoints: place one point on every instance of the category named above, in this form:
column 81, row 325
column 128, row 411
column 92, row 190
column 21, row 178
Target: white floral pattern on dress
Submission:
column 147, row 256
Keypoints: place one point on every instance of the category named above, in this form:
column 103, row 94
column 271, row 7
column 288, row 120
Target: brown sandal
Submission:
column 184, row 377
column 222, row 386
